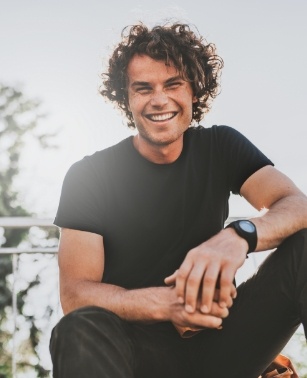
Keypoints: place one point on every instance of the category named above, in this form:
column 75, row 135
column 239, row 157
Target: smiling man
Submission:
column 160, row 101
column 147, row 267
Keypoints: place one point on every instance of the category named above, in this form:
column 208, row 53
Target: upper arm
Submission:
column 266, row 186
column 81, row 258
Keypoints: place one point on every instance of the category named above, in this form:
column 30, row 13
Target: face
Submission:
column 160, row 101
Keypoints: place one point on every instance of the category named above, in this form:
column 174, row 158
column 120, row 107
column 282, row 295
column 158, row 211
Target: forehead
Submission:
column 144, row 68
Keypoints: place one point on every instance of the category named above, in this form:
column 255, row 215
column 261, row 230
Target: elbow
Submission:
column 76, row 294
column 67, row 307
column 68, row 299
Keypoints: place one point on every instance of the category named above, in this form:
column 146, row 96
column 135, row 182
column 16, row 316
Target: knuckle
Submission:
column 220, row 312
column 193, row 281
column 209, row 280
column 230, row 302
column 225, row 281
column 181, row 274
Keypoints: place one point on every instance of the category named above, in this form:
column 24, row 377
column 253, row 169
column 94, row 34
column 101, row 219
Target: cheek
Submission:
column 135, row 104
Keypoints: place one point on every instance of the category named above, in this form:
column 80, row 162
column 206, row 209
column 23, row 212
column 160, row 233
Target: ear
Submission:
column 195, row 99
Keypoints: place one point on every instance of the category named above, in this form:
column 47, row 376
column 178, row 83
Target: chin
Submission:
column 161, row 140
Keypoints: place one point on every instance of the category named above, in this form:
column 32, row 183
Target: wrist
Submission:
column 143, row 305
column 161, row 298
column 241, row 244
column 246, row 230
column 167, row 303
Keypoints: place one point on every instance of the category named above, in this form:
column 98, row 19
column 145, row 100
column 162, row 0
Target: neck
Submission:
column 158, row 154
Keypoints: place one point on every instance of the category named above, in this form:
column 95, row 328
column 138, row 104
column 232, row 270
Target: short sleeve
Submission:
column 79, row 206
column 240, row 156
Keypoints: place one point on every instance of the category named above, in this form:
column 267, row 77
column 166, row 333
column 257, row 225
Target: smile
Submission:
column 161, row 117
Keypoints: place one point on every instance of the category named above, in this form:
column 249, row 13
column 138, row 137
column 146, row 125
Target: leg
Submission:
column 91, row 342
column 160, row 352
column 266, row 313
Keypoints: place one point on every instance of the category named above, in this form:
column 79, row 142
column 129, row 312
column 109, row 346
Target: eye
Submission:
column 173, row 85
column 143, row 90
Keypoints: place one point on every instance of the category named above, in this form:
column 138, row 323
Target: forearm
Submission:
column 284, row 218
column 146, row 305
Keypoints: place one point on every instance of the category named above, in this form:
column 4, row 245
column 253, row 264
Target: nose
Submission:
column 159, row 98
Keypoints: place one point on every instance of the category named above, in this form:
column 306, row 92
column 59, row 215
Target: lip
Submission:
column 161, row 117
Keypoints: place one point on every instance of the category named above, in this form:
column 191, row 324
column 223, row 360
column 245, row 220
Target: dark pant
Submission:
column 93, row 342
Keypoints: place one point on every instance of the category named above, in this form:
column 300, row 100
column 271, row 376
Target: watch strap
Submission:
column 250, row 237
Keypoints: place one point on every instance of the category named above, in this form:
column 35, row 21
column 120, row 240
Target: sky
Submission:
column 55, row 51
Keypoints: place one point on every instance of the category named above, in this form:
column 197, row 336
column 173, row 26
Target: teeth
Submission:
column 161, row 117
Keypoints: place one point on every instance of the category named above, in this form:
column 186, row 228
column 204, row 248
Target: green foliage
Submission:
column 20, row 118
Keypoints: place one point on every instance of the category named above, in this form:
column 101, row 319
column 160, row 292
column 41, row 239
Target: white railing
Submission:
column 15, row 252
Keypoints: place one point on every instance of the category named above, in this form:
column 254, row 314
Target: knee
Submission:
column 84, row 320
column 83, row 336
column 297, row 243
column 299, row 237
column 85, row 323
column 288, row 264
column 68, row 328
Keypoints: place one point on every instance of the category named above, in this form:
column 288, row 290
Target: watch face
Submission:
column 247, row 226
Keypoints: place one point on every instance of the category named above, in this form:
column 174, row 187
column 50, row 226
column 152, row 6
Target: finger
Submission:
column 181, row 279
column 193, row 286
column 201, row 320
column 209, row 287
column 226, row 287
column 171, row 280
column 233, row 292
column 218, row 311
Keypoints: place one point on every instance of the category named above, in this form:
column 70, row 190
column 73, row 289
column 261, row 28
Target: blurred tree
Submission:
column 20, row 118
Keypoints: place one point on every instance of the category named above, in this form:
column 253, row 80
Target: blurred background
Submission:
column 51, row 57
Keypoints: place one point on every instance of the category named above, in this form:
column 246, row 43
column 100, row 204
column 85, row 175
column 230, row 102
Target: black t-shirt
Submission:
column 150, row 215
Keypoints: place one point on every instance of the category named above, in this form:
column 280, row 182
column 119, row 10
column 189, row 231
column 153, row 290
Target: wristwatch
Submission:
column 247, row 230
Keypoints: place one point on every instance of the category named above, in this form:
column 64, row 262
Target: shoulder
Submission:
column 119, row 150
column 214, row 136
column 102, row 159
column 214, row 130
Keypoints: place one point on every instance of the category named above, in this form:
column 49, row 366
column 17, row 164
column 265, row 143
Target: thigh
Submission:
column 160, row 352
column 263, row 318
column 91, row 342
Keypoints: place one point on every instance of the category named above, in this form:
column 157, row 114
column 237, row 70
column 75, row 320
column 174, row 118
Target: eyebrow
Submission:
column 168, row 81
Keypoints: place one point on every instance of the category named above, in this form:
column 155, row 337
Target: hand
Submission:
column 195, row 321
column 211, row 265
column 171, row 280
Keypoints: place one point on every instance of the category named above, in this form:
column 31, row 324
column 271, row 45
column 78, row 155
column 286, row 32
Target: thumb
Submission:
column 171, row 280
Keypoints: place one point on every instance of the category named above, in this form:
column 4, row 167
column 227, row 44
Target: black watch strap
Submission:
column 247, row 230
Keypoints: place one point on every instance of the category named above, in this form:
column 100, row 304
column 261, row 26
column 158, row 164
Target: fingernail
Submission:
column 223, row 304
column 189, row 308
column 180, row 300
column 220, row 327
column 204, row 309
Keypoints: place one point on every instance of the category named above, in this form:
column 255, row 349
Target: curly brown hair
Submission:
column 177, row 44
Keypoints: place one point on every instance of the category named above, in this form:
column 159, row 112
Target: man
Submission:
column 144, row 258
